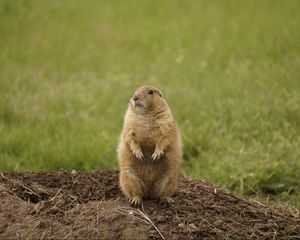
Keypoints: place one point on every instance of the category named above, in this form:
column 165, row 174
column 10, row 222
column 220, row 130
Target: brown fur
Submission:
column 149, row 152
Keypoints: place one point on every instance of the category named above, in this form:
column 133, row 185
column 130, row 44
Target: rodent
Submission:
column 149, row 151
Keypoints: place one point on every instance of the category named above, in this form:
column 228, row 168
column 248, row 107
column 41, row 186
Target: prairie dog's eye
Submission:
column 150, row 92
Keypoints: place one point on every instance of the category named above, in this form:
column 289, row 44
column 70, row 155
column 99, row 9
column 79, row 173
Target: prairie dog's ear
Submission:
column 159, row 93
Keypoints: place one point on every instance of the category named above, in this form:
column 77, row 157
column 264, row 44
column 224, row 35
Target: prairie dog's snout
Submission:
column 135, row 98
column 136, row 101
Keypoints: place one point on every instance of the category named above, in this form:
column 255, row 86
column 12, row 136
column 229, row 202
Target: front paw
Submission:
column 157, row 154
column 138, row 154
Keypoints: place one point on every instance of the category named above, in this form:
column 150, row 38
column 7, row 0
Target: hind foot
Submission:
column 135, row 201
column 166, row 200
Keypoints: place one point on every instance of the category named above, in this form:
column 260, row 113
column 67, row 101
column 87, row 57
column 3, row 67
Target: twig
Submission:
column 10, row 192
column 145, row 215
column 131, row 215
column 51, row 199
column 178, row 217
column 22, row 185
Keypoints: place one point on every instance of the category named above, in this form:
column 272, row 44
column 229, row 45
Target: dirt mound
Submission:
column 86, row 205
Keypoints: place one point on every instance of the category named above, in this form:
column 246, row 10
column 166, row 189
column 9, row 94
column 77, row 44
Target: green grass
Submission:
column 229, row 69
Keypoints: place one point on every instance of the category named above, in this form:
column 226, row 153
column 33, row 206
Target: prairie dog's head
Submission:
column 147, row 98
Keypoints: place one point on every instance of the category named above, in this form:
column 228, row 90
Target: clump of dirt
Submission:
column 90, row 205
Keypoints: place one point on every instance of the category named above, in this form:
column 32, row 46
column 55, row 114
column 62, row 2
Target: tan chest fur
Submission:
column 147, row 132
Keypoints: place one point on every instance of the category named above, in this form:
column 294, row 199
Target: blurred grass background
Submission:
column 230, row 71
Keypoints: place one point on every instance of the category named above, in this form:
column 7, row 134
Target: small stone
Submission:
column 73, row 172
column 160, row 219
column 149, row 228
column 54, row 210
column 193, row 227
column 218, row 222
column 181, row 225
column 168, row 212
column 152, row 232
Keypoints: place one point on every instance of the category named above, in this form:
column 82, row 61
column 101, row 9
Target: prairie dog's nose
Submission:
column 135, row 98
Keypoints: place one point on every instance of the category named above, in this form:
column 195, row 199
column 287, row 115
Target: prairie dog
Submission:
column 149, row 152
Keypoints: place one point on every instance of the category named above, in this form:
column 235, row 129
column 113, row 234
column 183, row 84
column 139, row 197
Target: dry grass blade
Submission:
column 145, row 215
column 130, row 212
column 4, row 189
column 137, row 214
column 33, row 191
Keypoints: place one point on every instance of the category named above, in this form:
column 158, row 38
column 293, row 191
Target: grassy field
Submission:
column 230, row 71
